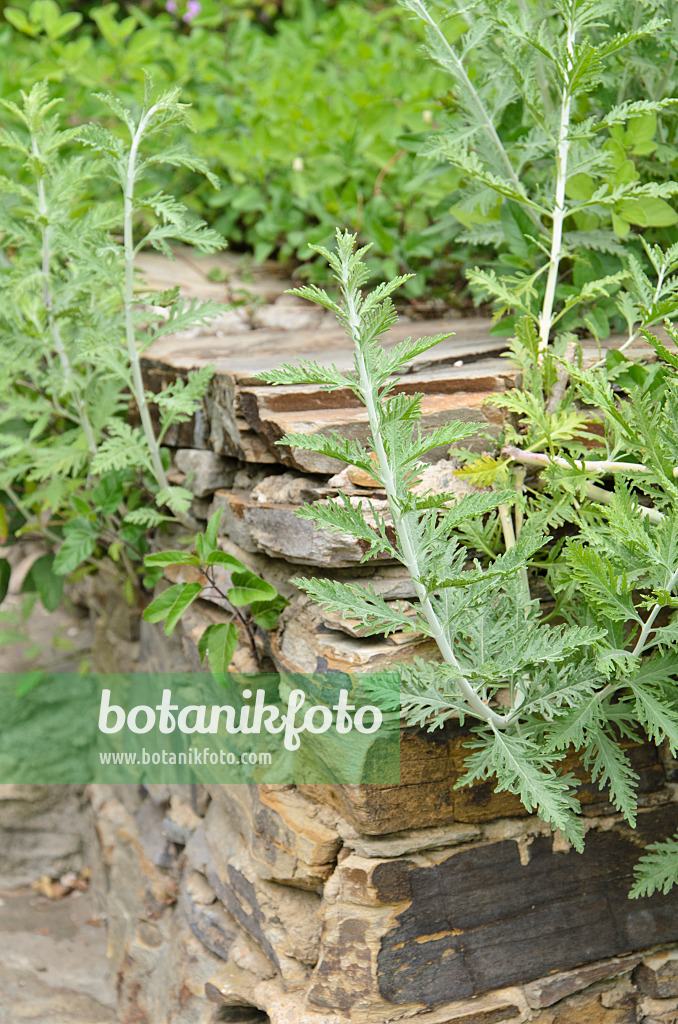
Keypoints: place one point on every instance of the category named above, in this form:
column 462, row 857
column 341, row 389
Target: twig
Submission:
column 599, row 466
column 649, row 622
column 235, row 612
column 604, row 497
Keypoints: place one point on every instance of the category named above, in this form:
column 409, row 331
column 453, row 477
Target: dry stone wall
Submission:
column 361, row 903
column 366, row 904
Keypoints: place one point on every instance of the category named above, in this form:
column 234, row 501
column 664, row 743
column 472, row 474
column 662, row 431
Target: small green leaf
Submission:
column 79, row 543
column 267, row 613
column 108, row 493
column 222, row 558
column 648, row 211
column 49, row 584
column 19, row 20
column 212, row 530
column 164, row 558
column 248, row 587
column 28, row 682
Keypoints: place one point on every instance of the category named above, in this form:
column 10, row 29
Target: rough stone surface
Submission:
column 53, row 967
column 43, row 831
column 658, row 976
column 205, row 471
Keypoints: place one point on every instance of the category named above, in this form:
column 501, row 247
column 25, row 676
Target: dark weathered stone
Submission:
column 495, row 922
column 547, row 991
column 657, row 976
column 431, row 764
column 211, row 924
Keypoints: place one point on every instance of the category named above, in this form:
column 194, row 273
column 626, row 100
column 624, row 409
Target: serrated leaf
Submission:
column 657, row 869
column 79, row 543
column 221, row 646
column 219, row 642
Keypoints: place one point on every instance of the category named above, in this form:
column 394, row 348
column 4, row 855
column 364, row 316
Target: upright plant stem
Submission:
column 483, row 115
column 407, row 549
column 562, row 157
column 649, row 622
column 130, row 333
column 66, row 368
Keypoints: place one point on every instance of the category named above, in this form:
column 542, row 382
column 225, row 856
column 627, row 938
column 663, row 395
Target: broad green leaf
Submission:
column 160, row 607
column 248, row 587
column 188, row 594
column 648, row 211
column 221, row 645
column 171, row 558
column 49, row 584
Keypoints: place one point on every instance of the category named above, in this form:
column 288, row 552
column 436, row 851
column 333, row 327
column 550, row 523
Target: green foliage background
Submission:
column 316, row 113
column 310, row 113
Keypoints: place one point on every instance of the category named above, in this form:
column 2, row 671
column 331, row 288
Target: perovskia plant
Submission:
column 73, row 327
column 570, row 684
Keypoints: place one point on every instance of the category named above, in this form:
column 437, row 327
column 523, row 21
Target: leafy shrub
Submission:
column 72, row 328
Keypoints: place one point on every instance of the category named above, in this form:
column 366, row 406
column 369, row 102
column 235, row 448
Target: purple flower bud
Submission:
column 193, row 8
column 171, row 6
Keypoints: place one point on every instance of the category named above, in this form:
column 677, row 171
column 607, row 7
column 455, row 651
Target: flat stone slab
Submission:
column 53, row 966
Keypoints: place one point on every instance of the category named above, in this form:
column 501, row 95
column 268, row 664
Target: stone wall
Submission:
column 361, row 903
column 329, row 905
column 266, row 897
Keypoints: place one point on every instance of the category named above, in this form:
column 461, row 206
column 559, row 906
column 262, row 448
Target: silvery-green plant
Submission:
column 551, row 136
column 74, row 323
column 560, row 140
column 484, row 621
column 530, row 689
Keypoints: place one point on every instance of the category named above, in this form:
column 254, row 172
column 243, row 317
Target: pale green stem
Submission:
column 602, row 466
column 483, row 115
column 138, row 390
column 66, row 368
column 604, row 497
column 407, row 550
column 510, row 540
column 649, row 622
column 559, row 212
column 520, row 484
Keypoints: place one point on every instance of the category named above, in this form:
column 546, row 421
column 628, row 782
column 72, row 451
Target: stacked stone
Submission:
column 267, row 904
column 324, row 905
